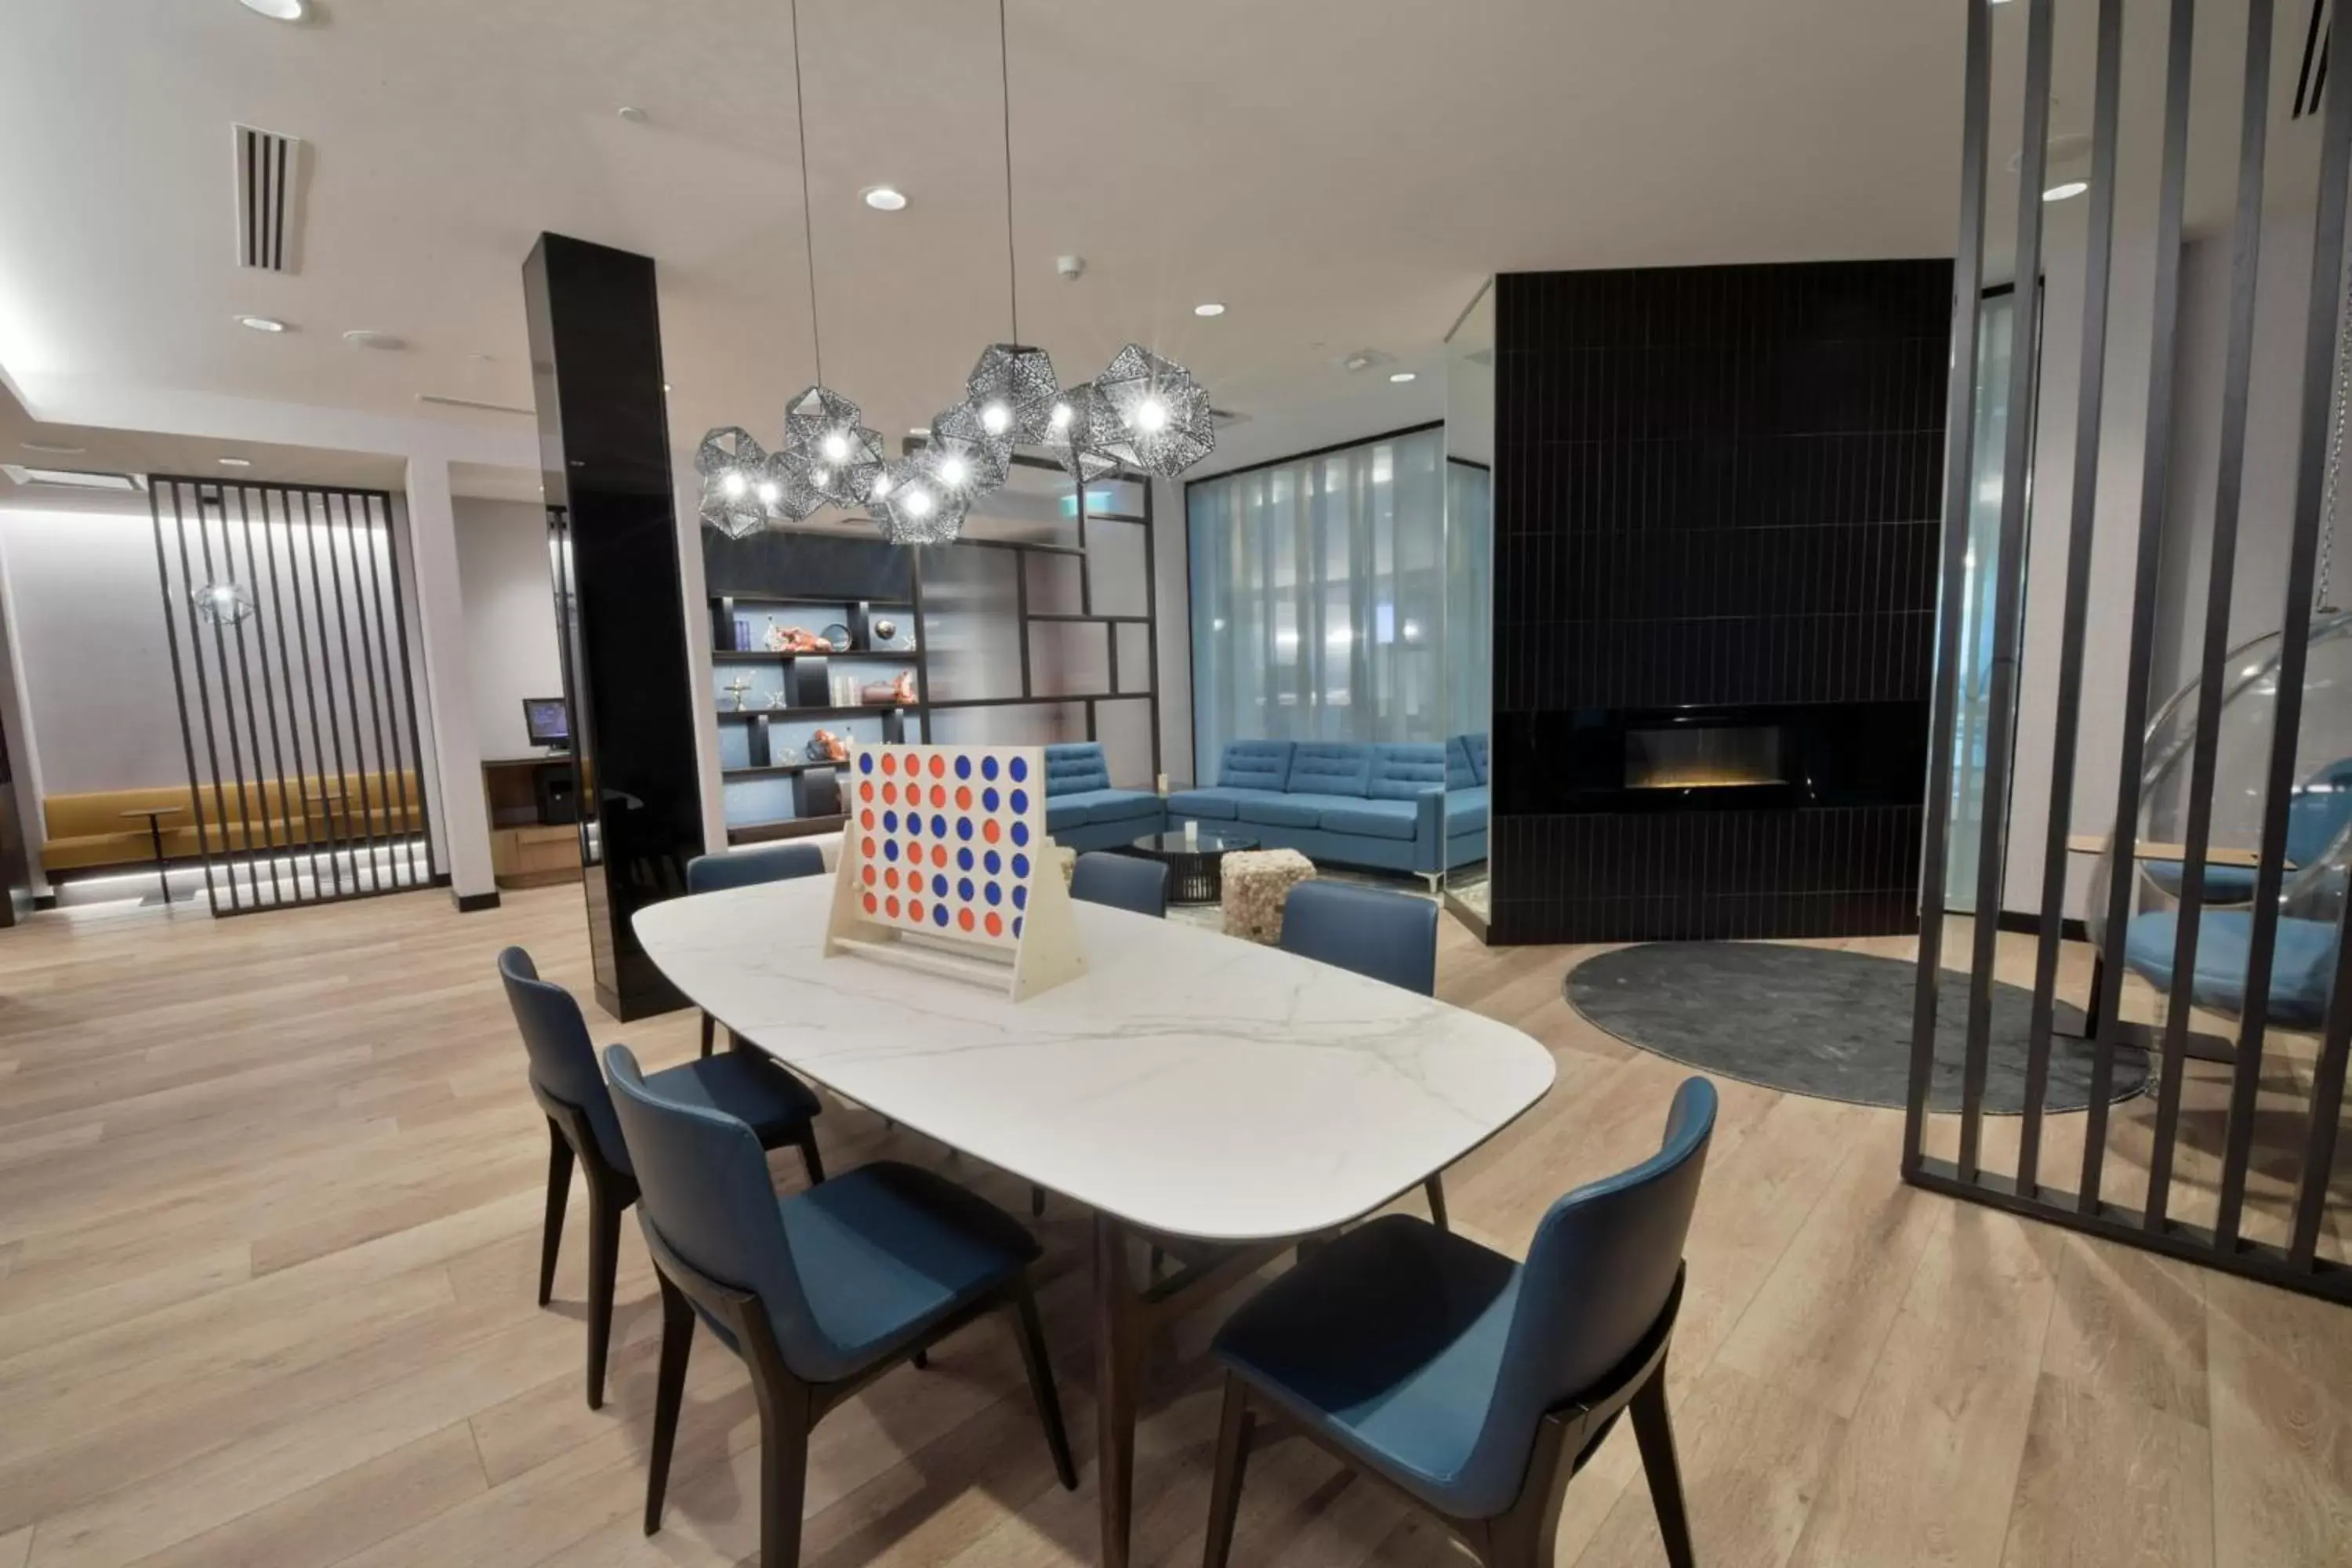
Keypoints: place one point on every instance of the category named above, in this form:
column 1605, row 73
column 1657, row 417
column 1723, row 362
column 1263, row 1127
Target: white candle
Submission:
column 1191, row 832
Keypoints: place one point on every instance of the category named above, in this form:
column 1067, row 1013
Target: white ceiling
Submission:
column 1342, row 173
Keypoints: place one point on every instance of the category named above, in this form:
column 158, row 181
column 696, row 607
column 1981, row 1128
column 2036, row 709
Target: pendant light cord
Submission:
column 1004, row 77
column 808, row 206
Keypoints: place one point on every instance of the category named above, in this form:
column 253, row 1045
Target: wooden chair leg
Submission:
column 1041, row 1384
column 670, row 1395
column 1225, row 1487
column 559, row 1190
column 784, row 1472
column 809, row 1157
column 1655, row 1434
column 1036, row 1202
column 1435, row 1188
column 603, row 1259
column 922, row 1360
column 707, row 1023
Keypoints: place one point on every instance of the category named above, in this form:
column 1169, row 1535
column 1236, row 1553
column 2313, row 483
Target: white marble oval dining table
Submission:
column 1190, row 1086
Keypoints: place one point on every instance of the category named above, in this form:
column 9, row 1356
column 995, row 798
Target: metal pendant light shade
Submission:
column 735, row 474
column 1162, row 413
column 913, row 508
column 1077, row 426
column 786, row 488
column 1013, row 389
column 222, row 604
column 839, row 456
column 963, row 456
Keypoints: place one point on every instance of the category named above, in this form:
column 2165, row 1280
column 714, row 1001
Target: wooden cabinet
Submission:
column 535, row 855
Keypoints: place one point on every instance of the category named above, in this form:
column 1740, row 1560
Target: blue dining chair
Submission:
column 1387, row 936
column 819, row 1293
column 747, row 868
column 1474, row 1385
column 1123, row 882
column 582, row 1127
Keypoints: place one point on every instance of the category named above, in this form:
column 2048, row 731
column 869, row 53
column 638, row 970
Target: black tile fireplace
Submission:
column 1716, row 518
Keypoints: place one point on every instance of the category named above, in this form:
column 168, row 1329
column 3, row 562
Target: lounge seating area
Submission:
column 90, row 830
column 1416, row 807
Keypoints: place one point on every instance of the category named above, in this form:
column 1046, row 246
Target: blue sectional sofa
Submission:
column 1081, row 810
column 1419, row 806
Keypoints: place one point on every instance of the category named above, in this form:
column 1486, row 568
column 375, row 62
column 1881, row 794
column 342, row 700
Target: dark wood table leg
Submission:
column 162, row 871
column 1119, row 1336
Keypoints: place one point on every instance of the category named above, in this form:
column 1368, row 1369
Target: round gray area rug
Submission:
column 1823, row 1022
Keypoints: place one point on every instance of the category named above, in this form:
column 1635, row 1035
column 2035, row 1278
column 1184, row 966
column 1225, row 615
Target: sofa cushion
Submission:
column 1459, row 773
column 1475, row 746
column 1254, row 764
column 1281, row 810
column 1074, row 767
column 1402, row 771
column 1327, row 767
column 1064, row 813
column 1100, row 805
column 1371, row 818
column 1216, row 802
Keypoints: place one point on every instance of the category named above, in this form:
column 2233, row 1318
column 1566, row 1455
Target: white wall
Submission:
column 87, row 615
column 502, row 569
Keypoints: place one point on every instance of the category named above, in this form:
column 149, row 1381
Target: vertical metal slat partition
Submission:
column 2181, row 1177
column 287, row 621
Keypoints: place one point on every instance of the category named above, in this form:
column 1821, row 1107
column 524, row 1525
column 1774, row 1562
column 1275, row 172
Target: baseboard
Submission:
column 474, row 903
column 2031, row 925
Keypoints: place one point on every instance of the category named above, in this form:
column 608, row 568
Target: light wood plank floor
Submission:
column 269, row 1192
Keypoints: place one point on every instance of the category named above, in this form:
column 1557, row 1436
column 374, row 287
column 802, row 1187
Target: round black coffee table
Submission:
column 1194, row 864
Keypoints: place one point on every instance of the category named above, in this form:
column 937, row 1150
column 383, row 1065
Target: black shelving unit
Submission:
column 892, row 579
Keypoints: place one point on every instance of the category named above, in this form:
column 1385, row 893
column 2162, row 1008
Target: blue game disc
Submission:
column 1016, row 925
column 940, row 885
column 1021, row 865
column 963, row 828
column 988, row 767
column 939, row 914
column 964, row 862
column 963, row 767
column 1021, row 833
column 864, row 762
column 1020, row 768
column 1021, row 803
column 939, row 827
column 890, row 850
column 1021, row 896
column 990, row 893
column 964, row 888
column 993, row 861
column 889, row 822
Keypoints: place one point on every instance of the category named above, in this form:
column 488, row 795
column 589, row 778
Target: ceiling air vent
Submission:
column 269, row 200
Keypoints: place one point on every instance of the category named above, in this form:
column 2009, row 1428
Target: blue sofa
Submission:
column 1416, row 807
column 1081, row 810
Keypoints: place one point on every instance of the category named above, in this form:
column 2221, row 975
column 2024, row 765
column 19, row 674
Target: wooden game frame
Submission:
column 1045, row 953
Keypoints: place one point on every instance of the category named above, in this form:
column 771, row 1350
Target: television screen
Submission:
column 549, row 720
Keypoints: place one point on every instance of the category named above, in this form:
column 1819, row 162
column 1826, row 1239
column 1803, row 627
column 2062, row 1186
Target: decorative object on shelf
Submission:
column 222, row 604
column 743, row 642
column 836, row 637
column 736, row 688
column 843, row 689
column 825, row 746
column 776, row 700
column 885, row 629
column 795, row 640
column 894, row 693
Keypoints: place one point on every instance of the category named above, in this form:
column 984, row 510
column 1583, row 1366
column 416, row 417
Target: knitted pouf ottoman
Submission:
column 1255, row 883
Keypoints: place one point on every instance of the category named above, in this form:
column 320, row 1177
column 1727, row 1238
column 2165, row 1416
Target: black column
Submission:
column 603, row 440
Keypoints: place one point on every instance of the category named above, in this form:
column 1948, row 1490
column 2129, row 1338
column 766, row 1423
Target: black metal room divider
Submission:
column 2231, row 1160
column 288, row 626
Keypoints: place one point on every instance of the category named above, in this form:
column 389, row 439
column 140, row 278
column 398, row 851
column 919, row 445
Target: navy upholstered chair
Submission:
column 1474, row 1386
column 819, row 1293
column 747, row 867
column 582, row 1126
column 1387, row 936
column 1122, row 882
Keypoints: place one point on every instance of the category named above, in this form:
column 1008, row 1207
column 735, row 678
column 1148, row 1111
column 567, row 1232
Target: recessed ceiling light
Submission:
column 883, row 198
column 918, row 430
column 632, row 113
column 1402, row 376
column 53, row 449
column 277, row 10
column 363, row 339
column 262, row 323
column 1208, row 307
column 237, row 462
column 2059, row 193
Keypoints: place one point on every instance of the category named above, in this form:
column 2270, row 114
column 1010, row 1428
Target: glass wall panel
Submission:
column 1318, row 597
column 970, row 623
